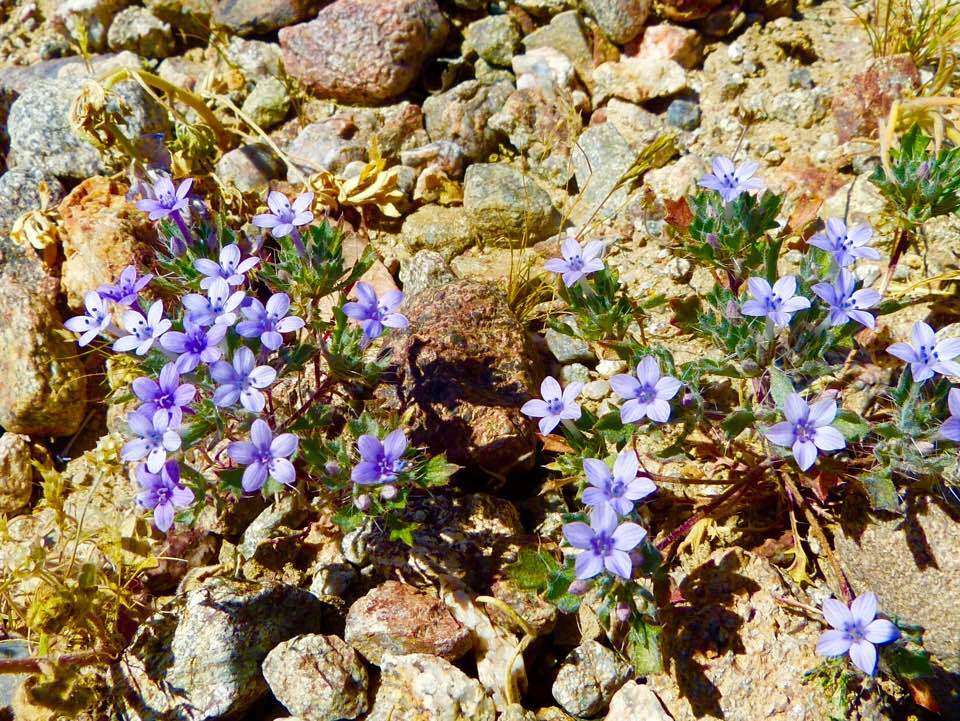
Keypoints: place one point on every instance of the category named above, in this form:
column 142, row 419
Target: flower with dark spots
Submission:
column 218, row 307
column 285, row 218
column 156, row 436
column 231, row 269
column 577, row 262
column 264, row 456
column 168, row 201
column 127, row 288
column 731, row 181
column 380, row 462
column 268, row 322
column 374, row 314
column 926, row 356
column 619, row 489
column 556, row 404
column 143, row 330
column 163, row 493
column 807, row 429
column 166, row 393
column 846, row 302
column 778, row 303
column 647, row 394
column 845, row 245
column 195, row 345
column 95, row 322
column 241, row 380
column 856, row 631
column 603, row 544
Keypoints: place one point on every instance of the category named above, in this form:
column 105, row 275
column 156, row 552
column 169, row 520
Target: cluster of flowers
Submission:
column 208, row 325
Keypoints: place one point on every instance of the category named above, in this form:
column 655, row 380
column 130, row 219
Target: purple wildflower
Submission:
column 845, row 302
column 926, row 356
column 163, row 493
column 604, row 544
column 169, row 202
column 372, row 313
column 143, row 331
column 165, row 393
column 156, row 438
column 555, row 404
column 195, row 345
column 807, row 429
column 264, row 456
column 127, row 287
column 268, row 322
column 230, row 268
column 95, row 322
column 845, row 244
column 778, row 303
column 241, row 381
column 856, row 631
column 951, row 427
column 577, row 262
column 731, row 181
column 217, row 308
column 618, row 489
column 379, row 462
column 284, row 217
column 647, row 395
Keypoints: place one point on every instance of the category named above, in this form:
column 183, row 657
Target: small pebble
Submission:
column 684, row 114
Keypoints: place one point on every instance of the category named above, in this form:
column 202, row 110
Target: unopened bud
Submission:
column 923, row 170
column 388, row 492
column 712, row 240
column 332, row 468
column 578, row 588
column 623, row 612
column 732, row 311
column 362, row 502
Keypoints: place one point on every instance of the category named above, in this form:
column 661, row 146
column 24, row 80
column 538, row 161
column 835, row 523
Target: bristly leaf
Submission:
column 780, row 386
column 533, row 570
column 643, row 647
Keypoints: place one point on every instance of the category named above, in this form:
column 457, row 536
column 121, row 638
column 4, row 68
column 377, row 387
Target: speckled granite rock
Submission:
column 634, row 702
column 396, row 618
column 19, row 194
column 16, row 473
column 465, row 368
column 318, row 678
column 210, row 650
column 620, row 20
column 259, row 17
column 461, row 115
column 506, row 206
column 427, row 688
column 588, row 678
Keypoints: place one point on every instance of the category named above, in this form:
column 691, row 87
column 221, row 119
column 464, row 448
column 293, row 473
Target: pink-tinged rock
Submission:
column 858, row 105
column 669, row 42
column 364, row 51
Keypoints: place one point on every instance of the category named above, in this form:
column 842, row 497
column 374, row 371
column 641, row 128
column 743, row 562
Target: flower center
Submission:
column 167, row 199
column 554, row 406
column 576, row 262
column 805, row 431
column 602, row 544
column 617, row 489
column 646, row 394
column 163, row 495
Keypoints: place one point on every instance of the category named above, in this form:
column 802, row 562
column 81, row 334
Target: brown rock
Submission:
column 16, row 473
column 465, row 369
column 102, row 234
column 364, row 50
column 858, row 105
column 462, row 115
column 399, row 619
column 671, row 42
column 258, row 17
column 686, row 10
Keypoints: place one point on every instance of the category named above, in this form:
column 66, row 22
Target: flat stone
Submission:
column 494, row 38
column 259, row 17
column 600, row 159
column 620, row 20
column 251, row 167
column 567, row 348
column 507, row 207
column 588, row 678
column 444, row 229
column 461, row 115
column 638, row 79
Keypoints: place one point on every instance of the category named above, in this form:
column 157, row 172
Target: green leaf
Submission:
column 737, row 421
column 909, row 663
column 852, row 426
column 780, row 386
column 881, row 491
column 533, row 569
column 402, row 531
column 437, row 471
column 348, row 518
column 643, row 647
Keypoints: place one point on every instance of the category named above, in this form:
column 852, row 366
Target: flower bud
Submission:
column 623, row 612
column 332, row 468
column 362, row 502
column 712, row 240
column 923, row 170
column 388, row 492
column 732, row 311
column 578, row 588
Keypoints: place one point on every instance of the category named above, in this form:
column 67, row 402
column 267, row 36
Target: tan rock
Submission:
column 16, row 473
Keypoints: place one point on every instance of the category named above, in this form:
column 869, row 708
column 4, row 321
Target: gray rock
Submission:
column 250, row 167
column 462, row 115
column 426, row 269
column 600, row 159
column 505, row 206
column 568, row 349
column 544, row 8
column 494, row 38
column 684, row 114
column 620, row 20
column 268, row 103
column 140, row 31
column 16, row 473
column 633, row 702
column 596, row 390
column 427, row 688
column 259, row 17
column 256, row 59
column 638, row 79
column 437, row 227
column 574, row 373
column 320, row 146
column 210, row 650
column 94, row 16
column 19, row 194
column 912, row 565
column 588, row 678
column 566, row 33
column 317, row 678
column 40, row 132
column 48, row 397
column 287, row 511
column 11, row 648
